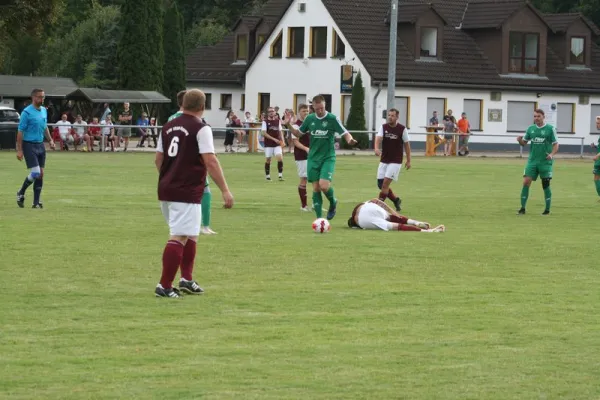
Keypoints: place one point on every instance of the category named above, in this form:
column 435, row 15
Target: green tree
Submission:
column 133, row 49
column 174, row 66
column 356, row 117
column 154, row 59
column 206, row 32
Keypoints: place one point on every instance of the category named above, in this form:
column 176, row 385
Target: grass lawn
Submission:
column 498, row 307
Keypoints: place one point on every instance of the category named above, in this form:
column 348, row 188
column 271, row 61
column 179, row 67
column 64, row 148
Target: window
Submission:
column 577, row 53
column 438, row 105
column 277, row 47
column 339, row 48
column 264, row 101
column 243, row 102
column 208, row 102
column 295, row 42
column 225, row 101
column 345, row 108
column 260, row 39
column 299, row 99
column 402, row 104
column 564, row 118
column 327, row 101
column 318, row 42
column 429, row 38
column 524, row 52
column 241, row 48
column 474, row 110
column 595, row 113
column 519, row 115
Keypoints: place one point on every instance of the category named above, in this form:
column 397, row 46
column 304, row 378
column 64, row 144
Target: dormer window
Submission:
column 241, row 48
column 277, row 47
column 577, row 54
column 524, row 52
column 429, row 42
column 339, row 48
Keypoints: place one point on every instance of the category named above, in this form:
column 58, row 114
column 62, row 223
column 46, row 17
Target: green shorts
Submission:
column 597, row 168
column 317, row 170
column 533, row 170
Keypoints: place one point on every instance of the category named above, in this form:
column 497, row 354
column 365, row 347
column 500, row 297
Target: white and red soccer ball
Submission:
column 321, row 225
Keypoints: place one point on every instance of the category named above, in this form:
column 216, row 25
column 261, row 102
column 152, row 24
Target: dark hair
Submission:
column 318, row 99
column 36, row 91
column 395, row 110
column 539, row 111
column 351, row 223
column 303, row 107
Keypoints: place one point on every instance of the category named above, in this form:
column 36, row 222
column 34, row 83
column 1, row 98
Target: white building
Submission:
column 496, row 61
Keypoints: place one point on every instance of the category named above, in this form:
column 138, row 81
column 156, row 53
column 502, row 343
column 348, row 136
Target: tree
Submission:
column 174, row 66
column 133, row 49
column 155, row 57
column 207, row 32
column 356, row 116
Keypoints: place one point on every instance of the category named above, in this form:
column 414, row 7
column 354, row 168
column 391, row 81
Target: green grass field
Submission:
column 498, row 307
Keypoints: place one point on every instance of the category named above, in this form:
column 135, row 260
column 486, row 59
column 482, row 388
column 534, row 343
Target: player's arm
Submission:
column 408, row 154
column 294, row 129
column 158, row 160
column 378, row 141
column 384, row 206
column 523, row 140
column 263, row 131
column 299, row 145
column 212, row 164
column 554, row 144
column 343, row 132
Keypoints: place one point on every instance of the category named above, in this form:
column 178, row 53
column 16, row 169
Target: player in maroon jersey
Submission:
column 271, row 130
column 301, row 155
column 184, row 154
column 375, row 214
column 391, row 142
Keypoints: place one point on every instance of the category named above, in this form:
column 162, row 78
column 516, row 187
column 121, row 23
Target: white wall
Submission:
column 455, row 101
column 216, row 116
column 284, row 77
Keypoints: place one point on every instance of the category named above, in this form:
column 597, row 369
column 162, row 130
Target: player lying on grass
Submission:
column 375, row 214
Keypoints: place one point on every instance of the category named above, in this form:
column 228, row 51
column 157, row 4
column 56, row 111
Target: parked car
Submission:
column 9, row 122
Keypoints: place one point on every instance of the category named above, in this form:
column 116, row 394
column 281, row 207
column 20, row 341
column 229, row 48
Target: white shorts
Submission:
column 183, row 218
column 390, row 171
column 301, row 167
column 371, row 216
column 271, row 151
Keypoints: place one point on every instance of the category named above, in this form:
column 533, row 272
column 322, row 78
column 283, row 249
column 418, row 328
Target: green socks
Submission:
column 597, row 183
column 548, row 197
column 206, row 199
column 524, row 196
column 330, row 196
column 317, row 199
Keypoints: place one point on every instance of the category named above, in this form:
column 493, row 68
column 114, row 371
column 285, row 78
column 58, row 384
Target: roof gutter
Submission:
column 492, row 87
column 375, row 105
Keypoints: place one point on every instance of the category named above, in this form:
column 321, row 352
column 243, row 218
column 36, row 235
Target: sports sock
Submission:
column 267, row 169
column 391, row 195
column 28, row 181
column 187, row 261
column 280, row 167
column 404, row 227
column 302, row 194
column 399, row 220
column 205, row 205
column 524, row 196
column 597, row 183
column 330, row 196
column 548, row 197
column 317, row 199
column 37, row 190
column 382, row 196
column 171, row 259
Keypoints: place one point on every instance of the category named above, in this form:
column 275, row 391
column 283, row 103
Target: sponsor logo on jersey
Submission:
column 391, row 135
column 319, row 132
column 539, row 140
column 178, row 128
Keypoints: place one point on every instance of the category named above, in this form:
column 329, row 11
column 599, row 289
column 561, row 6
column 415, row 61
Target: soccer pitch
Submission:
column 498, row 307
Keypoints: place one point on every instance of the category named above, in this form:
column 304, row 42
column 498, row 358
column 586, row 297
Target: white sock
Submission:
column 413, row 222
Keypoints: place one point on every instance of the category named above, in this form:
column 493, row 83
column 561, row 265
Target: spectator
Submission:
column 249, row 120
column 125, row 118
column 277, row 112
column 229, row 133
column 105, row 112
column 65, row 131
column 450, row 116
column 153, row 132
column 449, row 129
column 143, row 121
column 108, row 132
column 81, row 135
column 433, row 121
column 464, row 128
column 94, row 133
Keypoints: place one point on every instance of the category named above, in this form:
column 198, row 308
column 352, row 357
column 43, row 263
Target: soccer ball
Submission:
column 321, row 225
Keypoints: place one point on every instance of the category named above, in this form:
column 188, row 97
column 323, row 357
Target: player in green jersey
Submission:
column 207, row 195
column 597, row 160
column 322, row 127
column 544, row 145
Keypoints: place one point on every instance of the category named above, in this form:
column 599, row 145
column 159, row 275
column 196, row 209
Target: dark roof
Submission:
column 464, row 62
column 561, row 22
column 215, row 64
column 117, row 96
column 410, row 12
column 21, row 86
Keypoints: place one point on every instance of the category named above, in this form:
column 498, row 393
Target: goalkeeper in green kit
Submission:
column 207, row 195
column 322, row 128
column 544, row 145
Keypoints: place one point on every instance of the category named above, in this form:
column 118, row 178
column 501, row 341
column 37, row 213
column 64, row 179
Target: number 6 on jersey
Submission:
column 173, row 147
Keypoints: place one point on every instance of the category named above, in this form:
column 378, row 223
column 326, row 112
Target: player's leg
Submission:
column 126, row 136
column 279, row 157
column 313, row 173
column 597, row 177
column 401, row 219
column 380, row 178
column 301, row 167
column 325, row 178
column 187, row 284
column 206, row 211
column 34, row 172
column 268, row 154
column 530, row 174
column 546, row 175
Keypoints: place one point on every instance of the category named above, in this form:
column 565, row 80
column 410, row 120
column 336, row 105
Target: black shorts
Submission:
column 229, row 136
column 35, row 154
